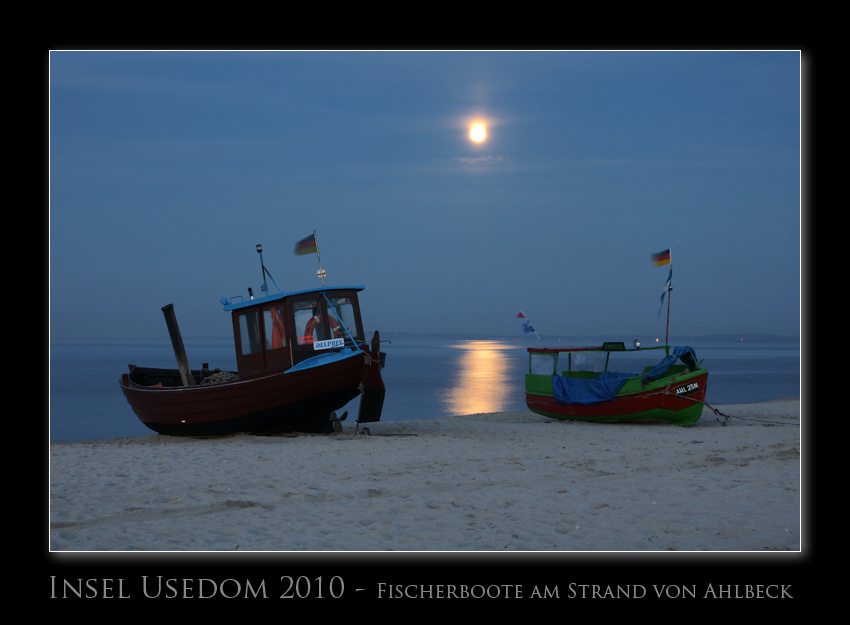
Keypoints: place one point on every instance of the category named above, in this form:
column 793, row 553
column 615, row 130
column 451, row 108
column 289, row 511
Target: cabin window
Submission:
column 588, row 361
column 273, row 324
column 309, row 323
column 249, row 332
column 344, row 308
column 542, row 364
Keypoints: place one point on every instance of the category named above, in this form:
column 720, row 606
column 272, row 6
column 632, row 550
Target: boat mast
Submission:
column 321, row 272
column 177, row 344
column 669, row 297
column 665, row 258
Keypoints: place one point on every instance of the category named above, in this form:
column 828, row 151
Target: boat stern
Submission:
column 374, row 390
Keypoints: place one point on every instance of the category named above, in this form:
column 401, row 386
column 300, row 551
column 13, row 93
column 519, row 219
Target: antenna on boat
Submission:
column 265, row 286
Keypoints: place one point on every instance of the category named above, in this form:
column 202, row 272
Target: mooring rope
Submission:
column 726, row 417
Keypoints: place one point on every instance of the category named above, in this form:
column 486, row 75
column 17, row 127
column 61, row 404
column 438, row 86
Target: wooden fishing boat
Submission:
column 300, row 356
column 589, row 386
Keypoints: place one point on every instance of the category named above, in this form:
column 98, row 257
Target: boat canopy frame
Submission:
column 539, row 366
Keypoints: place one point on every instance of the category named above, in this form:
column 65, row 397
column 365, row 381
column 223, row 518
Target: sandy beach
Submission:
column 512, row 481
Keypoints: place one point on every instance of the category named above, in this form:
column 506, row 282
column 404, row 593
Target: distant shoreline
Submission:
column 708, row 338
column 461, row 336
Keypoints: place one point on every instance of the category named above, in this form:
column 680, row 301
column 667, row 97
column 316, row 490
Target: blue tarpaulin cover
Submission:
column 585, row 391
column 687, row 355
column 607, row 384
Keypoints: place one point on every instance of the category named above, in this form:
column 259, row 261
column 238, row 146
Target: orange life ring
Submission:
column 336, row 329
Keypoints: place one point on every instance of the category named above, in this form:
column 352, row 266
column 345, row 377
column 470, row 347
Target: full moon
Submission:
column 478, row 132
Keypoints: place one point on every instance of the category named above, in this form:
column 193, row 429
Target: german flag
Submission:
column 662, row 258
column 307, row 245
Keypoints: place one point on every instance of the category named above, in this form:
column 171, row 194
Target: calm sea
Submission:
column 424, row 378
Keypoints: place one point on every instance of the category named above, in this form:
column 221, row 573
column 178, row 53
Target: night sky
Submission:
column 167, row 168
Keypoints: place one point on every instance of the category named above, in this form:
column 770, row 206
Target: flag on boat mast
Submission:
column 661, row 258
column 526, row 325
column 307, row 245
column 310, row 245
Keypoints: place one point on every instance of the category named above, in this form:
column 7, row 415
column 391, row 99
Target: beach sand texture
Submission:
column 512, row 481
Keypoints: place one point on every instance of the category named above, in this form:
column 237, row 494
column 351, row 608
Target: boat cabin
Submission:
column 276, row 332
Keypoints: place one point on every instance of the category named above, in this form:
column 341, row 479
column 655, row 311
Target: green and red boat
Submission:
column 585, row 384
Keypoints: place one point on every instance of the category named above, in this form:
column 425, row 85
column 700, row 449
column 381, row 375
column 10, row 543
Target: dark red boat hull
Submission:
column 297, row 400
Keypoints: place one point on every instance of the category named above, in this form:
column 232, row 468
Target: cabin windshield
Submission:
column 316, row 321
column 344, row 309
column 309, row 321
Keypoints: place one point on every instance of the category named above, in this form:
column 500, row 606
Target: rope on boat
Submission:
column 723, row 423
column 726, row 417
column 218, row 376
